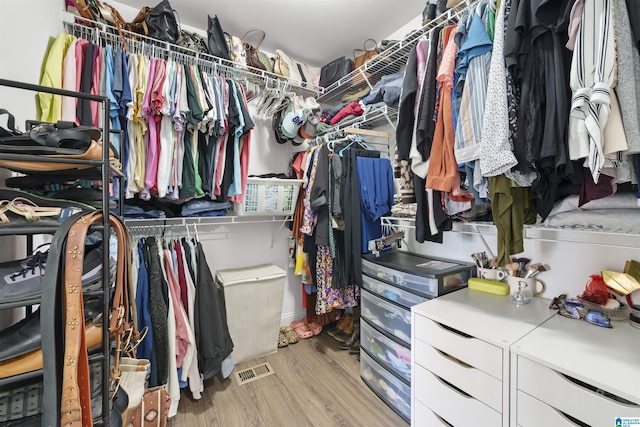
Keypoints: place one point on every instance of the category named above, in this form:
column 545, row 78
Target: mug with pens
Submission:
column 488, row 268
column 523, row 281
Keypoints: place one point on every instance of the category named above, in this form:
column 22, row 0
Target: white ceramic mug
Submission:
column 522, row 289
column 491, row 274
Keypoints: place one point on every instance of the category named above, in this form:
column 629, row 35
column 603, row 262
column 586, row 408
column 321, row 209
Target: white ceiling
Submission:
column 312, row 31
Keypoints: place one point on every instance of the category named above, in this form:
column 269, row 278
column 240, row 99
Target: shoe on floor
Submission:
column 345, row 324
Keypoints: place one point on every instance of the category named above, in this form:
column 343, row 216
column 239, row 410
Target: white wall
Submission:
column 571, row 263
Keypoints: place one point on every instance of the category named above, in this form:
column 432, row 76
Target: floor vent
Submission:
column 252, row 374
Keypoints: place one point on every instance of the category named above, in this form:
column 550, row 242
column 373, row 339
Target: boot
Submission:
column 355, row 336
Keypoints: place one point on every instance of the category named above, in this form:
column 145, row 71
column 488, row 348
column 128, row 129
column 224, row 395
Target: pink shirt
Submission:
column 182, row 335
column 95, row 85
column 69, row 83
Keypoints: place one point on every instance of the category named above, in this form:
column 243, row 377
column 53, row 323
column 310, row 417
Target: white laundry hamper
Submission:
column 253, row 298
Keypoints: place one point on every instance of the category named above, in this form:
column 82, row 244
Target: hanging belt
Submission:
column 75, row 405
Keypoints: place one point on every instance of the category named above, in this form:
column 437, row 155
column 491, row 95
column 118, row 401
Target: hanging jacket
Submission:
column 212, row 332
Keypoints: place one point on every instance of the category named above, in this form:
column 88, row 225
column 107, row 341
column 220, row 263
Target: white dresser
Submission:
column 461, row 359
column 570, row 373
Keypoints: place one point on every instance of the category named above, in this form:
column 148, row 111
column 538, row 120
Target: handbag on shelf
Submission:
column 236, row 50
column 255, row 57
column 282, row 64
column 139, row 23
column 307, row 73
column 335, row 70
column 288, row 67
column 216, row 39
column 162, row 23
column 361, row 57
column 192, row 41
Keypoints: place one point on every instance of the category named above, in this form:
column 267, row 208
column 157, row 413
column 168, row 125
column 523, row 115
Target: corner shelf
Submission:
column 537, row 232
column 393, row 59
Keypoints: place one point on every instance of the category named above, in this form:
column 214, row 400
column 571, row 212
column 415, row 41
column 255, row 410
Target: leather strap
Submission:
column 257, row 46
column 75, row 406
column 76, row 388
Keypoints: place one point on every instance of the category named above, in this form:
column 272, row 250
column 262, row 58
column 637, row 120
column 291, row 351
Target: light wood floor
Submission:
column 314, row 384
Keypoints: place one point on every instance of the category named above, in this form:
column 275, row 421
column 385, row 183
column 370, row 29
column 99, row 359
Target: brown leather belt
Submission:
column 75, row 405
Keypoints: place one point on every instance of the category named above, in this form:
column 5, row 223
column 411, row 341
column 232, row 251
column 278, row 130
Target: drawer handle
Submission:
column 455, row 331
column 448, row 384
column 571, row 419
column 442, row 420
column 599, row 391
column 453, row 359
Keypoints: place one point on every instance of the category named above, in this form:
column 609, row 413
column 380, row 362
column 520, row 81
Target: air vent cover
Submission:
column 252, row 374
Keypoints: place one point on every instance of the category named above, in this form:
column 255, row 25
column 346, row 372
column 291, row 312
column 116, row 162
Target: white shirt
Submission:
column 591, row 79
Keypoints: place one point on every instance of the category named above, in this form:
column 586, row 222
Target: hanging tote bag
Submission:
column 162, row 23
column 216, row 39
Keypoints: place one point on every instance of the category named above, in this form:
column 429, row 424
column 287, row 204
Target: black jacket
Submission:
column 212, row 333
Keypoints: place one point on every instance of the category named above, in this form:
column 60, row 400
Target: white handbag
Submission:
column 308, row 74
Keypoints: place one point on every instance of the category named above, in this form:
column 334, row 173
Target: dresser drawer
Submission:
column 472, row 351
column 453, row 405
column 392, row 293
column 387, row 316
column 395, row 393
column 424, row 416
column 533, row 413
column 472, row 381
column 577, row 400
column 386, row 351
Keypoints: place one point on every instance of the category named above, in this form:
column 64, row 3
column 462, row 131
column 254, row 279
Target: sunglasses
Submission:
column 593, row 317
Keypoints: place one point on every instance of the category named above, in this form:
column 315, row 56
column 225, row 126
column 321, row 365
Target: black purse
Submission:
column 217, row 40
column 162, row 23
column 335, row 70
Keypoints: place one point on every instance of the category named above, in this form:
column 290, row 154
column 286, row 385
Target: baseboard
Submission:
column 287, row 318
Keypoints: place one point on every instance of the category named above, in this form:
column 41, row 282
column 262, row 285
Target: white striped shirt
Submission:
column 592, row 68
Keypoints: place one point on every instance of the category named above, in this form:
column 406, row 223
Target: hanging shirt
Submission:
column 69, row 83
column 140, row 144
column 132, row 158
column 591, row 80
column 496, row 156
column 476, row 50
column 443, row 169
column 48, row 105
column 166, row 139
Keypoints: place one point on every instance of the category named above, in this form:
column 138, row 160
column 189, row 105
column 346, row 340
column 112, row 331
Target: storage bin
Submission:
column 390, row 292
column 392, row 391
column 431, row 277
column 386, row 351
column 387, row 316
column 253, row 297
column 269, row 196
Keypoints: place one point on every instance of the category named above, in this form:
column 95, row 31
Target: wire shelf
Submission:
column 368, row 120
column 393, row 59
column 137, row 43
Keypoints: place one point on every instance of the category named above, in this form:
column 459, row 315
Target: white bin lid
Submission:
column 247, row 274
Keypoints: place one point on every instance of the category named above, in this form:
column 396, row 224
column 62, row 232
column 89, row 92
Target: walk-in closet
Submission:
column 347, row 213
